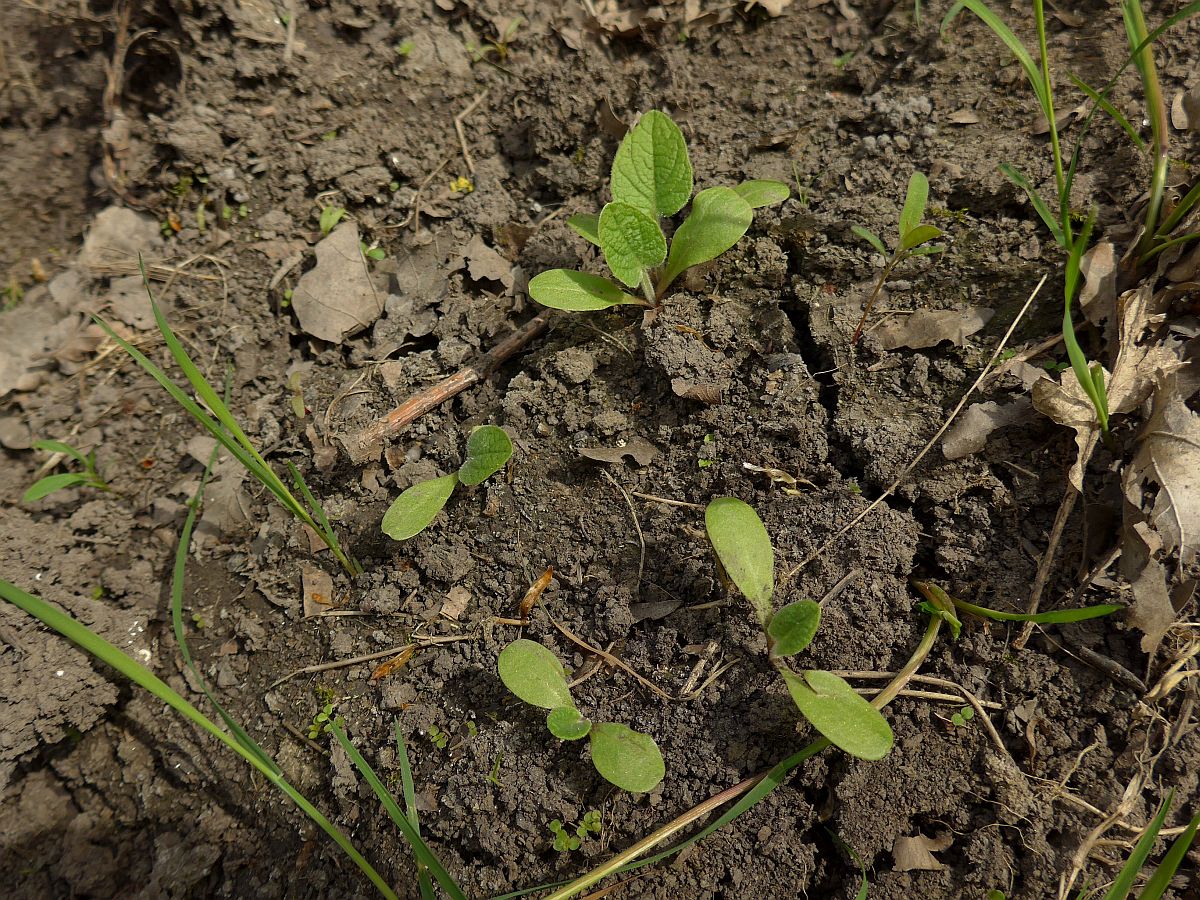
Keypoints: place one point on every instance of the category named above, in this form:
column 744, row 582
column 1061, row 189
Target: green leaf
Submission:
column 567, row 724
column 742, row 544
column 928, row 250
column 60, row 447
column 577, row 291
column 1039, row 205
column 835, row 710
column 51, row 483
column 631, row 240
column 794, row 627
column 919, row 235
column 870, row 237
column 488, row 449
column 718, row 220
column 759, row 193
column 1124, row 881
column 586, row 225
column 1161, row 879
column 1052, row 617
column 534, row 674
column 651, row 169
column 413, row 510
column 914, row 203
column 626, row 758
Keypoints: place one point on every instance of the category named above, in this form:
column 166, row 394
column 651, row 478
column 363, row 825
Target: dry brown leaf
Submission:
column 638, row 448
column 964, row 117
column 318, row 590
column 773, row 8
column 929, row 327
column 336, row 298
column 1099, row 292
column 970, row 432
column 456, row 602
column 485, row 264
column 916, row 853
column 1185, row 110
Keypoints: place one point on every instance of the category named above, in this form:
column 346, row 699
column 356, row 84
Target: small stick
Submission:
column 363, row 445
column 636, row 524
column 844, row 582
column 290, row 43
column 369, row 657
column 666, row 501
column 609, row 658
column 462, row 136
column 929, row 446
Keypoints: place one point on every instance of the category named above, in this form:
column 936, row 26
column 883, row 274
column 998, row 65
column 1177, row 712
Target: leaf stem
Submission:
column 648, row 289
column 896, row 259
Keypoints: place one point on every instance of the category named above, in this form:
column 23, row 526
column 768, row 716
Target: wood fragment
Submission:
column 534, row 594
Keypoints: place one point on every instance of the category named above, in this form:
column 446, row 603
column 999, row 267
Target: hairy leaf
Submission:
column 651, row 169
column 794, row 627
column 567, row 724
column 626, row 758
column 488, row 449
column 870, row 237
column 631, row 240
column 586, row 225
column 534, row 674
column 742, row 545
column 577, row 291
column 413, row 510
column 835, row 710
column 919, row 235
column 718, row 220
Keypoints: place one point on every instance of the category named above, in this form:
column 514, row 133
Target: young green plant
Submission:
column 912, row 239
column 626, row 758
column 214, row 416
column 651, row 179
column 745, row 555
column 89, row 477
column 568, row 838
column 488, row 449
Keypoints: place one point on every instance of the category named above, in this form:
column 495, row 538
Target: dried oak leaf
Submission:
column 929, row 327
column 640, row 449
column 336, row 298
column 970, row 433
column 916, row 853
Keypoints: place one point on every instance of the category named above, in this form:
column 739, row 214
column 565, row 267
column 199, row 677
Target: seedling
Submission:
column 627, row 758
column 651, row 178
column 745, row 557
column 323, row 721
column 330, row 216
column 220, row 423
column 438, row 738
column 89, row 477
column 567, row 838
column 912, row 239
column 962, row 717
column 938, row 603
column 488, row 449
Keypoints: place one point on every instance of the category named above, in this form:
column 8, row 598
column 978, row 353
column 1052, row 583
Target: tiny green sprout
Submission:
column 564, row 841
column 89, row 477
column 330, row 216
column 97, row 592
column 962, row 717
column 743, row 551
column 494, row 775
column 651, row 178
column 226, row 212
column 405, row 48
column 330, row 135
column 243, row 210
column 438, row 738
column 198, row 622
column 488, row 449
column 393, row 186
column 372, row 253
column 626, row 758
column 287, row 299
column 912, row 239
column 322, row 722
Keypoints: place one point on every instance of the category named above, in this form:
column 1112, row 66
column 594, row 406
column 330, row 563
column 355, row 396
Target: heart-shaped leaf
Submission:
column 626, row 758
column 576, row 291
column 718, row 219
column 759, row 193
column 585, row 225
column 841, row 715
column 534, row 675
column 742, row 544
column 488, row 449
column 919, row 235
column 793, row 627
column 414, row 509
column 631, row 240
column 651, row 169
column 914, row 202
column 567, row 724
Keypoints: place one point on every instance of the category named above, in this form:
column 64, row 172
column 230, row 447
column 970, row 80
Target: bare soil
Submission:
column 223, row 106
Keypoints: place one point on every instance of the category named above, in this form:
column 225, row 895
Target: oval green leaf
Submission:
column 920, row 235
column 651, row 169
column 43, row 487
column 576, row 291
column 627, row 758
column 631, row 240
column 488, row 449
column 718, row 219
column 841, row 715
column 585, row 225
column 413, row 510
column 567, row 724
column 534, row 674
column 794, row 627
column 742, row 544
column 759, row 193
column 914, row 203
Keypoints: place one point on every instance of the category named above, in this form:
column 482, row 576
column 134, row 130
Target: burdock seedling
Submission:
column 627, row 758
column 744, row 553
column 652, row 178
column 488, row 449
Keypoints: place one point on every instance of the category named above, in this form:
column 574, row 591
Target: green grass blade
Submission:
column 1190, row 200
column 178, row 580
column 1161, row 879
column 44, row 487
column 408, row 791
column 1010, row 40
column 1018, row 178
column 92, row 643
column 60, row 447
column 858, row 861
column 326, row 529
column 1123, row 883
column 1053, row 617
column 1117, row 116
column 419, row 847
column 1079, row 364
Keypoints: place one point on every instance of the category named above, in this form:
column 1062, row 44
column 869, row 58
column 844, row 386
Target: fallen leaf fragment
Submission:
column 534, row 594
column 929, row 327
column 963, row 117
column 1185, row 110
column 336, row 298
column 393, row 665
column 485, row 264
column 456, row 602
column 970, row 432
column 1099, row 291
column 318, row 590
column 639, row 449
column 915, row 854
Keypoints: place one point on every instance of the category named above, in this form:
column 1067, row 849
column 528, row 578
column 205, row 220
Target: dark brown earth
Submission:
column 105, row 794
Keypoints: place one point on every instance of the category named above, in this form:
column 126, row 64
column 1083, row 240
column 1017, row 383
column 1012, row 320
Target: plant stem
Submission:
column 1156, row 108
column 1060, row 179
column 648, row 289
column 896, row 259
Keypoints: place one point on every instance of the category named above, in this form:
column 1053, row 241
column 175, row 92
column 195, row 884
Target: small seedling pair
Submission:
column 567, row 839
column 488, row 449
column 627, row 758
column 89, row 477
column 745, row 556
column 913, row 239
column 323, row 721
column 652, row 178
